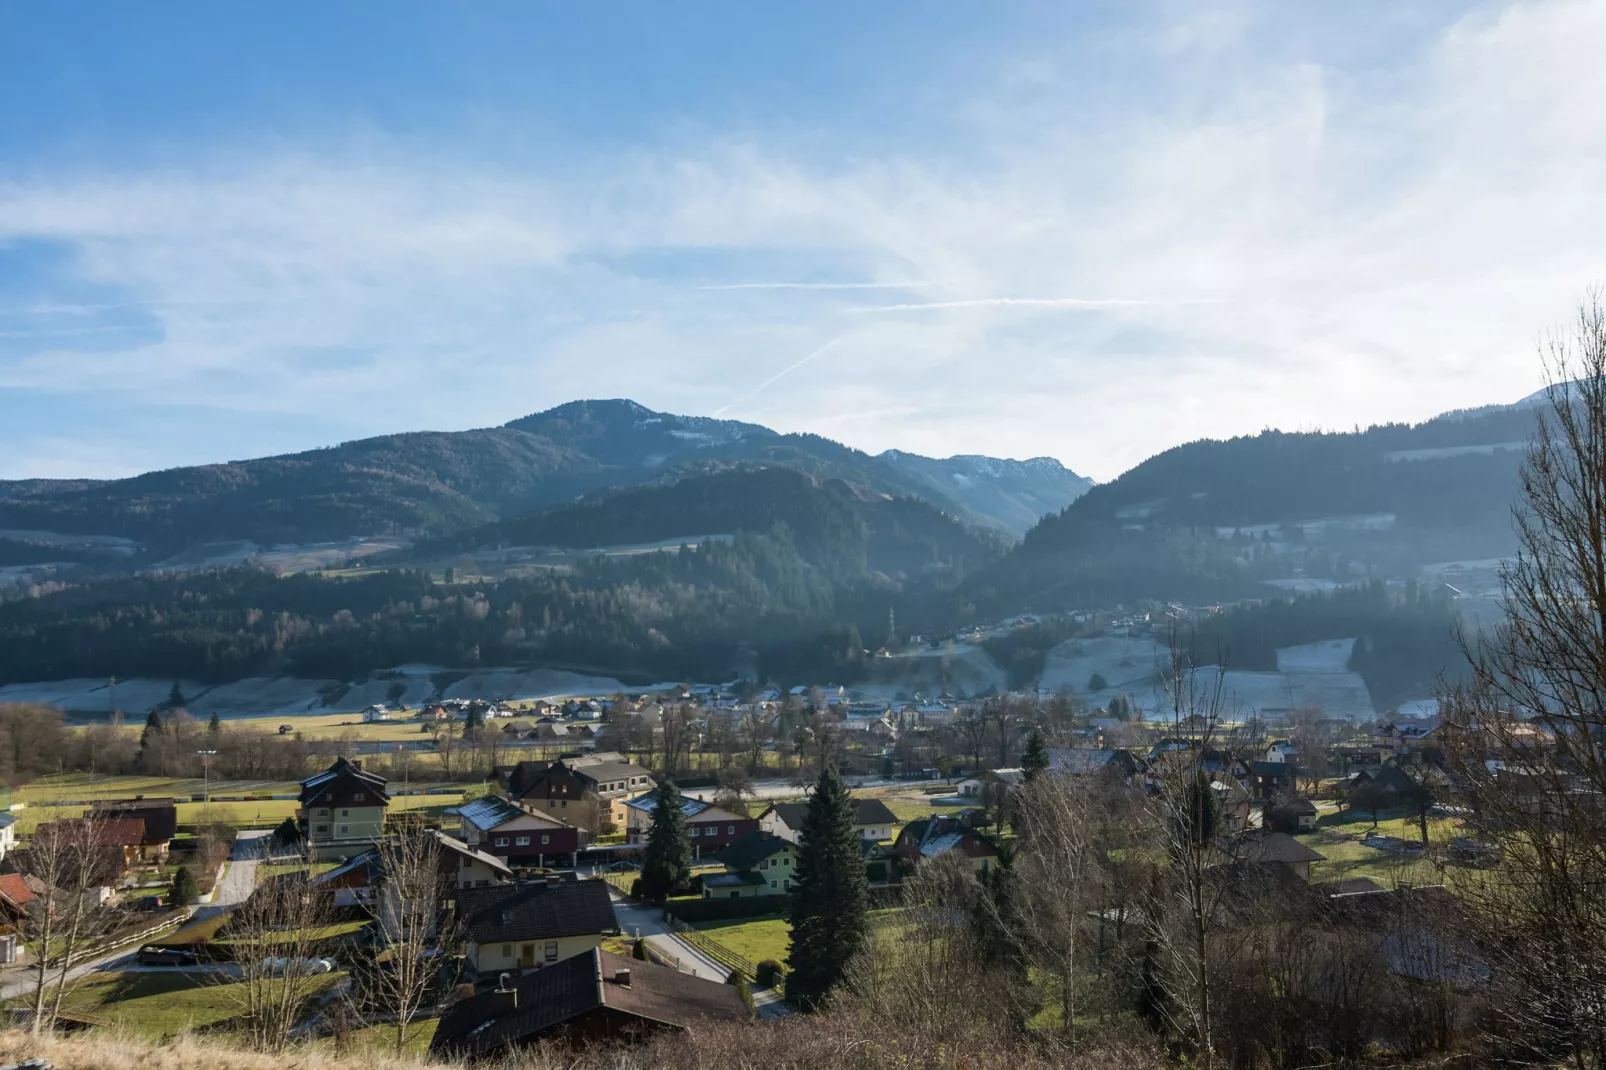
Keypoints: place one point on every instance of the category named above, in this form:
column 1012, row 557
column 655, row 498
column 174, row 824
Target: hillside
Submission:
column 1015, row 494
column 428, row 484
column 1236, row 518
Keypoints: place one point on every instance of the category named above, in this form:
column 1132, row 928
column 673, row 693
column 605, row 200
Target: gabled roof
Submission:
column 545, row 999
column 540, row 910
column 7, row 820
column 649, row 802
column 865, row 812
column 604, row 771
column 933, row 836
column 117, row 832
column 749, row 850
column 1281, row 847
column 491, row 811
column 160, row 815
column 15, row 891
column 458, row 847
column 342, row 771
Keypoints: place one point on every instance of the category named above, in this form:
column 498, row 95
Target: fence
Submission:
column 714, row 949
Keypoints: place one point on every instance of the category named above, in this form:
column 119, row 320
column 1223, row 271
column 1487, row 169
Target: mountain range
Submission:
column 431, row 484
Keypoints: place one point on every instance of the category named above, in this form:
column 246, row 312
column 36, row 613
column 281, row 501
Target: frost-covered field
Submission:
column 960, row 668
column 1442, row 452
column 517, row 685
column 1326, row 655
column 1124, row 662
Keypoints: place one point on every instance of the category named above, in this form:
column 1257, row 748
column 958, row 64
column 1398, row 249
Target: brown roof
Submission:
column 542, row 1002
column 117, row 832
column 14, row 887
column 160, row 816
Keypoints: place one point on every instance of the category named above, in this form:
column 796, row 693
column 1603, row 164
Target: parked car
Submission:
column 278, row 966
column 154, row 955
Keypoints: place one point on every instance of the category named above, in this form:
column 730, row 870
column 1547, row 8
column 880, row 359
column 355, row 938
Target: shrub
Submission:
column 635, row 888
column 739, row 982
column 768, row 974
column 638, row 951
column 288, row 833
column 184, row 889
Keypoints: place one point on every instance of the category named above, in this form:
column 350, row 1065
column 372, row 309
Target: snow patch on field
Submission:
column 1442, row 452
column 517, row 685
column 95, row 695
column 1126, row 664
column 1326, row 655
column 1338, row 694
column 1304, row 584
column 962, row 669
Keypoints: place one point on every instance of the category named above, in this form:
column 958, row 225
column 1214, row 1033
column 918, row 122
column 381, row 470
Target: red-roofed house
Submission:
column 15, row 895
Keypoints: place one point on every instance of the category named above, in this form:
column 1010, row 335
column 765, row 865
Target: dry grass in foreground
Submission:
column 827, row 1042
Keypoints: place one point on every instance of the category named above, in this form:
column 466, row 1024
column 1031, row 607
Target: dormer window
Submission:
column 358, row 797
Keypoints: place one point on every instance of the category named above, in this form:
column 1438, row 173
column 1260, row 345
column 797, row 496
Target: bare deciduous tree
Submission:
column 1527, row 734
column 276, row 935
column 73, row 860
column 406, row 905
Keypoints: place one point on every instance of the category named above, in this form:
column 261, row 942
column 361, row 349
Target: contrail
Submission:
column 1029, row 302
column 815, row 285
column 783, row 372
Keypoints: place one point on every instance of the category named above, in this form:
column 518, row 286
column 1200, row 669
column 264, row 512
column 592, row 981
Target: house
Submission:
column 929, row 837
column 1232, row 800
column 872, row 820
column 587, row 791
column 342, row 810
column 711, row 828
column 159, row 815
column 1283, row 850
column 1119, row 764
column 759, row 863
column 529, row 926
column 116, row 842
column 596, row 997
column 994, row 784
column 466, row 866
column 8, row 833
column 1267, row 779
column 1304, row 812
column 375, row 713
column 518, row 836
column 15, row 895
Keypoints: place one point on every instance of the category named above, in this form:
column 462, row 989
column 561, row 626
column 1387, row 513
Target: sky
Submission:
column 1090, row 231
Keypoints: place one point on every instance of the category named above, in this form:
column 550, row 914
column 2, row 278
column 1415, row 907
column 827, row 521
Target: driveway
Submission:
column 648, row 923
column 239, row 874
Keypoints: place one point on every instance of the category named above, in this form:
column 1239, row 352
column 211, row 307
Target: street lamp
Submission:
column 206, row 791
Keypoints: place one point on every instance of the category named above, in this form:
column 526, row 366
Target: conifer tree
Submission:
column 1034, row 762
column 830, row 901
column 153, row 727
column 666, row 862
column 175, row 697
column 214, row 726
column 184, row 888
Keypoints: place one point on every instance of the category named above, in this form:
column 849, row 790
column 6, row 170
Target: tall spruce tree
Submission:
column 831, row 901
column 153, row 727
column 1034, row 762
column 175, row 697
column 214, row 726
column 666, row 861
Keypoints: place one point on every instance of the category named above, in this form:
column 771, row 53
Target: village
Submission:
column 167, row 912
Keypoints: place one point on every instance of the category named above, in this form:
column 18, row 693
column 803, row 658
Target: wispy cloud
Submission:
column 1266, row 231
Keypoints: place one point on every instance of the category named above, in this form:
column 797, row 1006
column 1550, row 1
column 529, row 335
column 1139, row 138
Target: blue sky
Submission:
column 1090, row 231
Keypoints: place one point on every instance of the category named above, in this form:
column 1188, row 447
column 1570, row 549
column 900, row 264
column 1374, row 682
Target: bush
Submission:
column 638, row 950
column 184, row 889
column 288, row 834
column 635, row 888
column 739, row 982
column 768, row 974
column 1097, row 683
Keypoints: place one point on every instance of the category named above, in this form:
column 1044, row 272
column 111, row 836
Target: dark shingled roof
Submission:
column 547, row 998
column 540, row 910
column 342, row 770
column 747, row 851
column 1281, row 847
column 866, row 812
column 1348, row 886
column 160, row 816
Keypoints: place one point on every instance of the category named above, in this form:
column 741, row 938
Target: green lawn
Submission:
column 754, row 939
column 1348, row 857
column 381, row 1039
column 158, row 1005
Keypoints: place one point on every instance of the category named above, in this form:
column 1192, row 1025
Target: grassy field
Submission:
column 381, row 1039
column 1337, row 836
column 755, row 939
column 158, row 1005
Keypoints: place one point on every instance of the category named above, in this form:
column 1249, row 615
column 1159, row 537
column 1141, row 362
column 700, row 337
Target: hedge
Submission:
column 758, row 906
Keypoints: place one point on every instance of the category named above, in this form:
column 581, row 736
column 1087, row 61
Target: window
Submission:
column 764, row 864
column 358, row 797
column 322, row 830
column 552, row 951
column 731, row 831
column 522, row 841
column 501, row 841
column 545, row 839
column 564, row 804
column 344, row 829
column 695, row 832
column 345, row 813
column 507, row 951
column 773, row 884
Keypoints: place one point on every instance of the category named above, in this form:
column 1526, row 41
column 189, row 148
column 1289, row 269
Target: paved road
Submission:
column 648, row 923
column 239, row 874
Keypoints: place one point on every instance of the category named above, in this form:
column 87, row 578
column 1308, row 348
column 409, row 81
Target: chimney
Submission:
column 356, row 763
column 621, row 977
column 504, row 998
